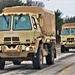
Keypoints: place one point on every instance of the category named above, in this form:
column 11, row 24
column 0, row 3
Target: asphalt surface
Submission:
column 64, row 65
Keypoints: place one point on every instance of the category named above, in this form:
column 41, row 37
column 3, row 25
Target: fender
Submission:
column 38, row 42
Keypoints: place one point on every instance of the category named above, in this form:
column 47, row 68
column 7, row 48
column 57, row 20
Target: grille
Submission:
column 8, row 40
column 70, row 39
column 15, row 38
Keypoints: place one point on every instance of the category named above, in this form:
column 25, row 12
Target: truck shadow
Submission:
column 27, row 68
column 71, row 52
column 24, row 66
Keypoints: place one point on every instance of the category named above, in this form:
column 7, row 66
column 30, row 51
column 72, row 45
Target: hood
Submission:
column 16, row 37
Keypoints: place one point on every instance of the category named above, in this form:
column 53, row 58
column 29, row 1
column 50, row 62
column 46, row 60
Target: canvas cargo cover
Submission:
column 68, row 25
column 48, row 20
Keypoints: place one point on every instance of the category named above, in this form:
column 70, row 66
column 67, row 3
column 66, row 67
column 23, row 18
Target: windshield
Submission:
column 4, row 23
column 73, row 31
column 65, row 31
column 22, row 22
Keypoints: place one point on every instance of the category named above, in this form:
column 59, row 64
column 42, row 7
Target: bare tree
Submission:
column 35, row 3
column 10, row 3
column 29, row 2
column 38, row 3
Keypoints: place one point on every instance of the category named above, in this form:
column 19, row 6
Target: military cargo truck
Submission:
column 27, row 33
column 67, row 37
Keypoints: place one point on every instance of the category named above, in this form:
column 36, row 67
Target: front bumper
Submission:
column 19, row 51
column 70, row 45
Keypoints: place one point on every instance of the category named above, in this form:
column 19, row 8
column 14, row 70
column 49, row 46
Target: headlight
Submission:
column 27, row 48
column 63, row 42
column 47, row 40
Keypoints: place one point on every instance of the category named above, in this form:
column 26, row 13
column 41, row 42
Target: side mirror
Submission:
column 41, row 16
column 35, row 27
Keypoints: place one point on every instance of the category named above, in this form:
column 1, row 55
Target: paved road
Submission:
column 64, row 65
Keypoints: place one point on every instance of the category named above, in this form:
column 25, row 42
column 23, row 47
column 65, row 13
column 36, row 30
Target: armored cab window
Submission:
column 5, row 23
column 73, row 31
column 65, row 31
column 34, row 23
column 22, row 22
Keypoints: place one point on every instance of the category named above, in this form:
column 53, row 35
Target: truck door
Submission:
column 37, row 30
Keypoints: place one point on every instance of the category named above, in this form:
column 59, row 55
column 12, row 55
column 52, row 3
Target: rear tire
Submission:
column 2, row 64
column 50, row 56
column 15, row 62
column 55, row 53
column 67, row 49
column 63, row 49
column 38, row 59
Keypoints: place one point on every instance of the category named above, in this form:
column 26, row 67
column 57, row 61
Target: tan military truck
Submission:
column 27, row 33
column 67, row 37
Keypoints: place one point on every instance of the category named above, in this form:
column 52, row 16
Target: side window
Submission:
column 34, row 23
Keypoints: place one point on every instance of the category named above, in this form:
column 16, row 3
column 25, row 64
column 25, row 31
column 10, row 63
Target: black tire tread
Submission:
column 15, row 62
column 2, row 64
column 36, row 61
column 49, row 60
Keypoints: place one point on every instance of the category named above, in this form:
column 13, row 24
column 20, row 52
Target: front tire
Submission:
column 67, row 49
column 63, row 49
column 15, row 62
column 38, row 59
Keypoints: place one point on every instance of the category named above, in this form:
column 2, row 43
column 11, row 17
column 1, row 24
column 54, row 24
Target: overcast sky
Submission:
column 67, row 7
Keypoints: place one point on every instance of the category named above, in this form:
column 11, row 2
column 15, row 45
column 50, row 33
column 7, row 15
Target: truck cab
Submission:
column 67, row 37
